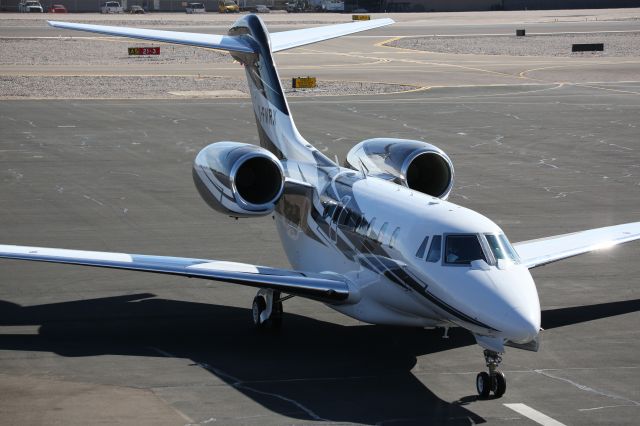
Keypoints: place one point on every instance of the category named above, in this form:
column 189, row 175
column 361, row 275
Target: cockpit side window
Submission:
column 463, row 249
column 435, row 250
column 422, row 248
column 501, row 248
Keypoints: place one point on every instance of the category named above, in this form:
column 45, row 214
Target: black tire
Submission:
column 257, row 308
column 276, row 315
column 483, row 385
column 500, row 384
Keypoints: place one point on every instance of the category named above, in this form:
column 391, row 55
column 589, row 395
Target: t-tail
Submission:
column 250, row 43
column 276, row 130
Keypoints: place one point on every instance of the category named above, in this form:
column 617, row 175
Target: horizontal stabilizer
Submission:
column 546, row 250
column 320, row 287
column 210, row 41
column 289, row 39
column 279, row 41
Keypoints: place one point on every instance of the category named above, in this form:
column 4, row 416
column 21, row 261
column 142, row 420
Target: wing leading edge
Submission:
column 546, row 250
column 210, row 41
column 279, row 41
column 319, row 287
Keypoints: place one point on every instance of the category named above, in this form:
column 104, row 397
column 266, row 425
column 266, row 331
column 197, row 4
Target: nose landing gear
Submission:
column 493, row 381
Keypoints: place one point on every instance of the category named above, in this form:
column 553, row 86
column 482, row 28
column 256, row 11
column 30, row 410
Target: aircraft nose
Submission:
column 522, row 326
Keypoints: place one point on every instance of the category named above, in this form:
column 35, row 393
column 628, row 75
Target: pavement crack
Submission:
column 631, row 403
column 241, row 385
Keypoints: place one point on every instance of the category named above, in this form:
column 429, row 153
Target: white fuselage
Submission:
column 498, row 300
column 389, row 283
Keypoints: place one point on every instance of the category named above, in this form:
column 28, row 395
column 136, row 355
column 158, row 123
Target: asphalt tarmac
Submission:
column 85, row 346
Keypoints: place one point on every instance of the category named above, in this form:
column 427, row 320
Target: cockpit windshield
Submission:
column 463, row 249
column 501, row 248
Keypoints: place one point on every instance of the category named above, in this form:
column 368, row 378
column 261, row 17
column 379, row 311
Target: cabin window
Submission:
column 356, row 219
column 435, row 249
column 328, row 211
column 352, row 221
column 422, row 248
column 343, row 219
column 362, row 227
column 394, row 237
column 501, row 248
column 383, row 229
column 463, row 249
column 370, row 232
column 336, row 213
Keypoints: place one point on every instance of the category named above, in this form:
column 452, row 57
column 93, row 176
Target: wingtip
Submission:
column 384, row 21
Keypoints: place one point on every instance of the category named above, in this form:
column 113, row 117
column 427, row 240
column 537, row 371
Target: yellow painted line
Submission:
column 581, row 64
column 389, row 40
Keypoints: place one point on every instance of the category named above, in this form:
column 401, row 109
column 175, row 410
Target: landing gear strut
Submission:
column 266, row 310
column 493, row 381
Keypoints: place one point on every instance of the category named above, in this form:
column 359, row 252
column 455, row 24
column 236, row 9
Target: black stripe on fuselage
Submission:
column 371, row 255
column 266, row 142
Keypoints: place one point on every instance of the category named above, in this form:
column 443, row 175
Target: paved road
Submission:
column 112, row 175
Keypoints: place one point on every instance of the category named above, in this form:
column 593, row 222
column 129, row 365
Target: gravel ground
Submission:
column 100, row 51
column 615, row 44
column 112, row 51
column 131, row 87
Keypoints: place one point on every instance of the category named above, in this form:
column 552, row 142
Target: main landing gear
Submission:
column 266, row 310
column 493, row 381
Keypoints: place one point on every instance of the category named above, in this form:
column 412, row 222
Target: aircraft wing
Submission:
column 279, row 41
column 546, row 250
column 320, row 287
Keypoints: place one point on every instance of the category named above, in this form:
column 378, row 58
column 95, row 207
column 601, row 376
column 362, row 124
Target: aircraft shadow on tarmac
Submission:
column 358, row 374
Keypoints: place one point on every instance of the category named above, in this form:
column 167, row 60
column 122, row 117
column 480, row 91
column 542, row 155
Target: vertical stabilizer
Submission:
column 276, row 129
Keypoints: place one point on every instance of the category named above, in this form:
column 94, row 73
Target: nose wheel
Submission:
column 494, row 381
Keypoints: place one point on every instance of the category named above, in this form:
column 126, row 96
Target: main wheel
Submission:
column 500, row 384
column 483, row 384
column 257, row 308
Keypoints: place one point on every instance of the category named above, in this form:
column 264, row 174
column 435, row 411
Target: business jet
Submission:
column 374, row 238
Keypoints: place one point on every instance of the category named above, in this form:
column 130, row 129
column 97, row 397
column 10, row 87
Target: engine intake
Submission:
column 238, row 179
column 414, row 164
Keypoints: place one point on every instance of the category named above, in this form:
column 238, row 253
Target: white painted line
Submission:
column 534, row 415
column 31, row 330
column 476, row 34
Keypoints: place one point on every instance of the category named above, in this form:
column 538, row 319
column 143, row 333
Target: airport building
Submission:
column 349, row 5
column 479, row 5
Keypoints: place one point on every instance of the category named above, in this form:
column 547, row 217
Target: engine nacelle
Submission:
column 414, row 164
column 238, row 179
